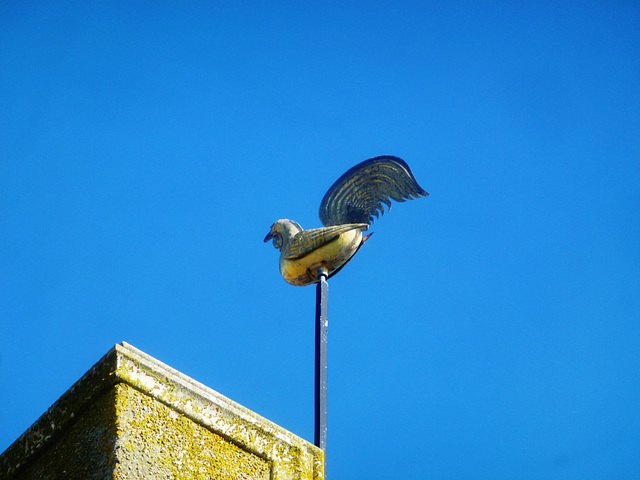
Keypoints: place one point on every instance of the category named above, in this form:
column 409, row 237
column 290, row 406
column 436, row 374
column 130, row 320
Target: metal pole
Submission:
column 322, row 324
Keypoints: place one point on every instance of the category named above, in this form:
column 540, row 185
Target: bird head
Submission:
column 282, row 232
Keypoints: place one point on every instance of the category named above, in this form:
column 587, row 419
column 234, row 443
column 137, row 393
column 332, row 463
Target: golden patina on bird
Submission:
column 347, row 210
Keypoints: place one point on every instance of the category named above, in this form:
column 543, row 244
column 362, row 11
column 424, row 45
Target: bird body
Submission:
column 346, row 210
column 305, row 254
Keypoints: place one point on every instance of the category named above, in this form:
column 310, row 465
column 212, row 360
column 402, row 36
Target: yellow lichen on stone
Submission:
column 176, row 448
column 132, row 417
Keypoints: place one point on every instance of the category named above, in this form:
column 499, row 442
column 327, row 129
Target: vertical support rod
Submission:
column 322, row 324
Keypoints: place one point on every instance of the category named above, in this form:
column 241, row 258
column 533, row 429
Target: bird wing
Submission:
column 307, row 241
column 358, row 195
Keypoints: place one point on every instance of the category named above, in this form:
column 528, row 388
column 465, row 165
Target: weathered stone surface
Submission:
column 155, row 442
column 82, row 450
column 133, row 417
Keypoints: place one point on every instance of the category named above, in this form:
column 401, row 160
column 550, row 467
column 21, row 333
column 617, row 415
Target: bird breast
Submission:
column 332, row 255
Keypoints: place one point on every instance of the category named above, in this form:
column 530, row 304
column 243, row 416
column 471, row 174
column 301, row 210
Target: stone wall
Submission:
column 133, row 417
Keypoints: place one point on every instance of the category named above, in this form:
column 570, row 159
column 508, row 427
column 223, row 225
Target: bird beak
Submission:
column 269, row 236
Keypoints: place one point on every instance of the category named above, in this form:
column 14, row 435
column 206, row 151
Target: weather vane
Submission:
column 312, row 256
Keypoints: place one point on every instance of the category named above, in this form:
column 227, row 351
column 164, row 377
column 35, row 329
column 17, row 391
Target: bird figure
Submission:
column 347, row 209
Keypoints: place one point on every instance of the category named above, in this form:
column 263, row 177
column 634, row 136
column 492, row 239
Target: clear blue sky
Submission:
column 488, row 331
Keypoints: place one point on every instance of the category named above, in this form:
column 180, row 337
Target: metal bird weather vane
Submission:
column 311, row 256
column 347, row 209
